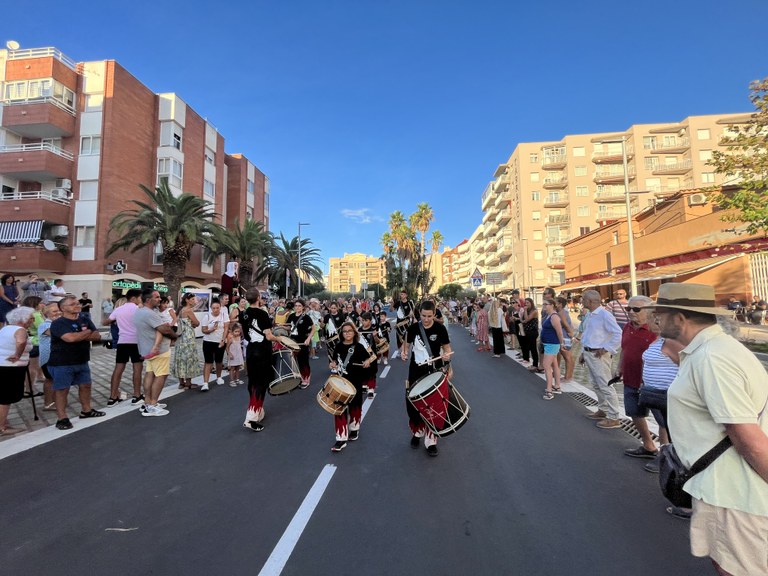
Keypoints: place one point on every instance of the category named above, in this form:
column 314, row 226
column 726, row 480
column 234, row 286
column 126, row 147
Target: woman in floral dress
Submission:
column 186, row 358
column 482, row 327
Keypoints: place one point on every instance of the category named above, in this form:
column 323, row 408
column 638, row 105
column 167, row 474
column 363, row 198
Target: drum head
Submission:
column 280, row 331
column 289, row 343
column 425, row 384
column 340, row 384
column 283, row 385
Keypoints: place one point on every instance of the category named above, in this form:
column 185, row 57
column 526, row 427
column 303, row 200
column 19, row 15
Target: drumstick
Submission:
column 436, row 358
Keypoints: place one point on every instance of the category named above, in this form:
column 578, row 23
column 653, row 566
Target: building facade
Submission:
column 354, row 271
column 76, row 141
column 550, row 192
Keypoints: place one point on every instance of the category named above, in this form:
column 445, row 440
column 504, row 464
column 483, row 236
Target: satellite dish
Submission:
column 12, row 45
column 49, row 245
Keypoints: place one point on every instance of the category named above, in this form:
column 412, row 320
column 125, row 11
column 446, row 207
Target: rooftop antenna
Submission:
column 12, row 45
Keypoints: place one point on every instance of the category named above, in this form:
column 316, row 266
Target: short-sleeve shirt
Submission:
column 301, row 327
column 619, row 312
column 147, row 320
column 208, row 320
column 719, row 382
column 69, row 353
column 437, row 337
column 634, row 341
column 337, row 319
column 255, row 322
column 123, row 315
column 403, row 309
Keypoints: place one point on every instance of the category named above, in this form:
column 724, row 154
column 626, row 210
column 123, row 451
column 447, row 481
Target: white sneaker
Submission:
column 219, row 381
column 204, row 387
column 148, row 410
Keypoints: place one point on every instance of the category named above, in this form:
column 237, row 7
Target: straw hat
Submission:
column 693, row 297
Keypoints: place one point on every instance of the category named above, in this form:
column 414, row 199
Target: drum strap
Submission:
column 350, row 351
column 427, row 346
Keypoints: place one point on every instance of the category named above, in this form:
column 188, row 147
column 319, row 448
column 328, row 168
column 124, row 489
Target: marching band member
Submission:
column 352, row 360
column 369, row 338
column 302, row 330
column 331, row 323
column 437, row 346
column 404, row 310
column 257, row 330
column 352, row 314
column 383, row 330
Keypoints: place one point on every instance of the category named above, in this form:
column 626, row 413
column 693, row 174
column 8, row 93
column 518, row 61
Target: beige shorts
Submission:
column 160, row 365
column 736, row 540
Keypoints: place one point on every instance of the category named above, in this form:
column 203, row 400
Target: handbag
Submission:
column 673, row 474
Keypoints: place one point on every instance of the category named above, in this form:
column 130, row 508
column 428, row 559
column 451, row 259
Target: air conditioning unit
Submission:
column 65, row 183
column 62, row 193
column 697, row 199
column 59, row 231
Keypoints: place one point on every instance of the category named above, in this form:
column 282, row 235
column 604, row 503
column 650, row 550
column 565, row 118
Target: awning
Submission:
column 654, row 273
column 20, row 231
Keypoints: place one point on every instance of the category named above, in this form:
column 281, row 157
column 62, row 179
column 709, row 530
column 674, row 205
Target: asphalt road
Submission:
column 526, row 487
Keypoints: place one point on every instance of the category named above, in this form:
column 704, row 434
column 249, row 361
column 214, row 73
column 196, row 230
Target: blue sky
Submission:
column 356, row 108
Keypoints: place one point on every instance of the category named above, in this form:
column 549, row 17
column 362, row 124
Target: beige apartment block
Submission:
column 550, row 192
column 351, row 272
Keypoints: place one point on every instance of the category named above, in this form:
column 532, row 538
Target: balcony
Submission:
column 678, row 146
column 615, row 213
column 612, row 156
column 558, row 240
column 41, row 205
column 556, row 261
column 664, row 191
column 609, row 196
column 505, row 245
column 18, row 259
column 503, row 216
column 36, row 162
column 487, row 197
column 492, row 259
column 556, row 200
column 613, row 176
column 682, row 167
column 502, row 196
column 492, row 228
column 37, row 118
column 554, row 162
column 559, row 219
column 555, row 182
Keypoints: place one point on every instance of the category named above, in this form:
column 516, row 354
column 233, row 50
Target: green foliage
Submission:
column 285, row 257
column 249, row 245
column 744, row 166
column 450, row 291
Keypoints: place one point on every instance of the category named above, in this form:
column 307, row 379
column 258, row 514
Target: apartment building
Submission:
column 549, row 192
column 355, row 271
column 76, row 140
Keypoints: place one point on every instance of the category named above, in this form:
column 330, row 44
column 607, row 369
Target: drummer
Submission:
column 352, row 361
column 439, row 347
column 383, row 330
column 331, row 323
column 257, row 331
column 301, row 330
column 369, row 338
column 404, row 311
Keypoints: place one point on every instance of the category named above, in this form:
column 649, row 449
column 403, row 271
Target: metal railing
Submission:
column 559, row 219
column 42, row 53
column 40, row 100
column 614, row 173
column 559, row 159
column 558, row 239
column 555, row 181
column 677, row 166
column 49, row 195
column 612, row 153
column 678, row 143
column 40, row 146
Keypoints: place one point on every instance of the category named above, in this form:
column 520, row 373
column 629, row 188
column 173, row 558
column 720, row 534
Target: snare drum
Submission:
column 336, row 394
column 287, row 375
column 382, row 348
column 281, row 330
column 402, row 327
column 289, row 343
column 440, row 405
column 331, row 341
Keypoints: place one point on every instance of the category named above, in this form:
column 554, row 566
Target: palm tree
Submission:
column 420, row 222
column 283, row 262
column 249, row 246
column 177, row 223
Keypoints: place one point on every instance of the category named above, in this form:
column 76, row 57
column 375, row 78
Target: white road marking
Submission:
column 120, row 529
column 384, row 372
column 396, row 353
column 284, row 548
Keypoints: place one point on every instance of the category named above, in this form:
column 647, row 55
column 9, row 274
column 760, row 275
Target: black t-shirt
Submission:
column 301, row 327
column 370, row 335
column 383, row 330
column 355, row 374
column 354, row 317
column 87, row 304
column 69, row 353
column 338, row 320
column 437, row 337
column 255, row 321
column 404, row 309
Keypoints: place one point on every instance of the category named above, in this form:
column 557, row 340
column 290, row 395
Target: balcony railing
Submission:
column 42, row 53
column 562, row 239
column 556, row 260
column 57, row 197
column 612, row 174
column 557, row 182
column 44, row 146
column 602, row 155
column 40, row 100
column 555, row 200
column 559, row 219
column 676, row 168
column 554, row 162
column 667, row 147
column 616, row 213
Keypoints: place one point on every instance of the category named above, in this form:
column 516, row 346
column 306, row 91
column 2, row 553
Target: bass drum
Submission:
column 286, row 372
column 439, row 403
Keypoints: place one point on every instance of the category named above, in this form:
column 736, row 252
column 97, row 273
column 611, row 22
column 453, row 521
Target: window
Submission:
column 89, row 189
column 38, row 89
column 582, row 191
column 670, row 140
column 653, row 184
column 85, row 236
column 535, row 196
column 210, row 156
column 538, row 274
column 703, row 134
column 583, row 230
column 538, row 235
column 615, row 238
column 90, row 145
column 171, row 135
column 651, row 162
column 534, row 176
column 580, row 170
column 649, row 142
column 579, row 151
column 538, row 254
column 670, row 160
column 94, row 102
column 535, row 215
column 582, row 211
column 157, row 254
column 171, row 170
column 208, row 188
column 708, row 177
column 534, row 158
column 705, row 155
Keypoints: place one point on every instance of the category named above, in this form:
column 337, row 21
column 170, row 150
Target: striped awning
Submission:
column 20, row 231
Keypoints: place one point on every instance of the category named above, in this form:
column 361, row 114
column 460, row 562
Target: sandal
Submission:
column 548, row 395
column 114, row 401
column 557, row 390
column 92, row 414
column 64, row 424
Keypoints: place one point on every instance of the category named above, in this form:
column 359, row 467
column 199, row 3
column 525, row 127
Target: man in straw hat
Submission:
column 721, row 389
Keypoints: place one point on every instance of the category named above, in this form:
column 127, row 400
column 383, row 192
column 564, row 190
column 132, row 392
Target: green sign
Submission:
column 128, row 284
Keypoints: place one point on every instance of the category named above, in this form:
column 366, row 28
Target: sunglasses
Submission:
column 635, row 309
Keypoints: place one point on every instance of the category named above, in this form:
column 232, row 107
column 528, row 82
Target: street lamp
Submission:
column 299, row 271
column 628, row 204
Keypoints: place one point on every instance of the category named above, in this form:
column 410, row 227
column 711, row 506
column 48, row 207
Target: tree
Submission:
column 450, row 291
column 177, row 223
column 745, row 165
column 283, row 263
column 420, row 222
column 249, row 246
